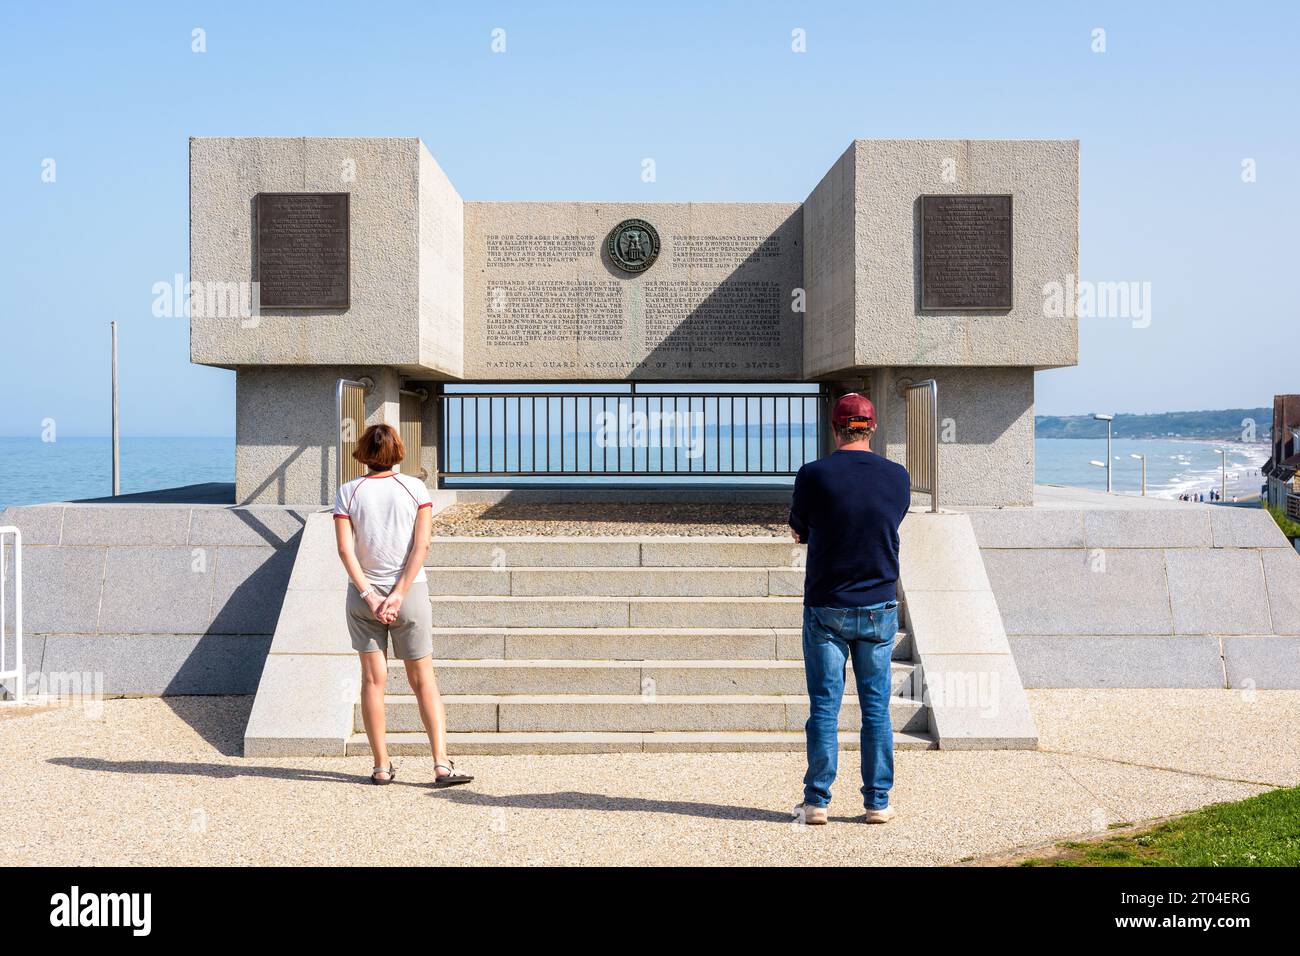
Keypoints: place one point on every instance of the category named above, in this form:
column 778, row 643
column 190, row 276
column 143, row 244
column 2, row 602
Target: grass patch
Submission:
column 1263, row 830
column 1289, row 528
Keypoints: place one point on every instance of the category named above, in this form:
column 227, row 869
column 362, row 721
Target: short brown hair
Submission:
column 851, row 433
column 380, row 447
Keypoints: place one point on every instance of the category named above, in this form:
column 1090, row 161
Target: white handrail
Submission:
column 17, row 671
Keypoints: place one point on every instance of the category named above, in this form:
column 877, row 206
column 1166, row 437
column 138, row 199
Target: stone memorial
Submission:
column 910, row 260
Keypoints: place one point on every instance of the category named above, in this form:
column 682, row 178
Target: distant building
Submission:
column 1283, row 490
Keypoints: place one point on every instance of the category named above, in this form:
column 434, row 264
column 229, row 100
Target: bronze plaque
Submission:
column 303, row 250
column 965, row 253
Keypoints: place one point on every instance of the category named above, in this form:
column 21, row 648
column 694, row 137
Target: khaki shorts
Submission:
column 412, row 632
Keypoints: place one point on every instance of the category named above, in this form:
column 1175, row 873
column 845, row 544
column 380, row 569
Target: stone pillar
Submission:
column 286, row 429
column 986, row 431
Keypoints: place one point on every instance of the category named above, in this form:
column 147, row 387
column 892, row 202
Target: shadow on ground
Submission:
column 213, row 770
column 576, row 800
column 208, row 493
column 566, row 800
column 220, row 721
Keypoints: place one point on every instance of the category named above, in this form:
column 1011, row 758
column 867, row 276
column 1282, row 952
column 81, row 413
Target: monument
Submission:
column 910, row 260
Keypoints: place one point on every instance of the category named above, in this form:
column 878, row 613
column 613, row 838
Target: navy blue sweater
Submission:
column 847, row 507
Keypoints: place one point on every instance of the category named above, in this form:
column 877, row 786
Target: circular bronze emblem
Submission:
column 633, row 245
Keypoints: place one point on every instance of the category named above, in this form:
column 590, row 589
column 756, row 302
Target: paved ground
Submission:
column 154, row 781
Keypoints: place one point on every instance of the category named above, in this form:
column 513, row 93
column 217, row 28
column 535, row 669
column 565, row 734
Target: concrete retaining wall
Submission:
column 170, row 599
column 1197, row 596
column 151, row 599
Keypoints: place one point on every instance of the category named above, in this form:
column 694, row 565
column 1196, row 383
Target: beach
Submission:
column 1175, row 466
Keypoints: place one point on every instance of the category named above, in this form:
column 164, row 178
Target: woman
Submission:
column 382, row 522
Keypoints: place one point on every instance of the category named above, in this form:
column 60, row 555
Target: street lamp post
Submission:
column 117, row 469
column 1143, row 459
column 1223, row 473
column 1109, row 458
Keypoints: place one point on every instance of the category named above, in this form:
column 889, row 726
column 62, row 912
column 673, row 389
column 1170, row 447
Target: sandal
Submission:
column 452, row 778
column 391, row 771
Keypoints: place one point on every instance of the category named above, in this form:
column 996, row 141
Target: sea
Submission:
column 1174, row 466
column 33, row 471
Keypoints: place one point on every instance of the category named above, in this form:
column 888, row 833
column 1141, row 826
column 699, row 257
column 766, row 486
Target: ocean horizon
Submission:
column 72, row 469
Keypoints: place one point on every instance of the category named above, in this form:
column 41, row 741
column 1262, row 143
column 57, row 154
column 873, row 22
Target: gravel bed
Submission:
column 479, row 519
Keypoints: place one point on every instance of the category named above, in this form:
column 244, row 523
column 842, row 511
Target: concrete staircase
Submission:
column 585, row 645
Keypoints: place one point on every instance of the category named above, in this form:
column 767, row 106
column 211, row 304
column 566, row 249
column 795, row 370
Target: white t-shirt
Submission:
column 382, row 512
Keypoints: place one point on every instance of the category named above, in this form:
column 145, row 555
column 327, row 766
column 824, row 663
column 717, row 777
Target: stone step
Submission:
column 629, row 643
column 672, row 677
column 503, row 611
column 616, row 581
column 618, row 551
column 634, row 713
column 416, row 743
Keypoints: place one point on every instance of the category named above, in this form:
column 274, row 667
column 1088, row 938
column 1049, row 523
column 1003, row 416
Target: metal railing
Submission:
column 350, row 407
column 1293, row 506
column 16, row 671
column 921, row 401
column 639, row 433
column 411, row 428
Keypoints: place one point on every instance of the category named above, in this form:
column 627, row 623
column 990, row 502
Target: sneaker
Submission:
column 812, row 816
column 883, row 815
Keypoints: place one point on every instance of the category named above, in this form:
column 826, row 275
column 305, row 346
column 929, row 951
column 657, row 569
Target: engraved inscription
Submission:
column 543, row 302
column 521, row 312
column 302, row 250
column 723, row 252
column 531, row 251
column 690, row 317
column 965, row 252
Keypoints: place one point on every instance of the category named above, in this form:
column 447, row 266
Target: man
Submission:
column 847, row 507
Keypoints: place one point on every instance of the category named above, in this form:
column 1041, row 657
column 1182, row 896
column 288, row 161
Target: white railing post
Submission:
column 20, row 680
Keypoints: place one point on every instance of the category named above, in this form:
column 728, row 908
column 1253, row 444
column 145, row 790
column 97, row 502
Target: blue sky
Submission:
column 1166, row 115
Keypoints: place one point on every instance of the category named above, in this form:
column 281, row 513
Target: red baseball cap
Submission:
column 854, row 410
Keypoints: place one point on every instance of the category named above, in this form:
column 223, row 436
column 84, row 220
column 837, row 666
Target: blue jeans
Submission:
column 831, row 635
